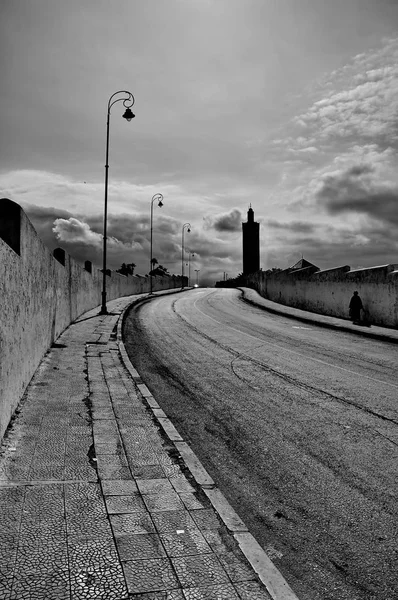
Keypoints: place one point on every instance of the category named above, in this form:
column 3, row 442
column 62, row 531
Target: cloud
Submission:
column 74, row 231
column 363, row 101
column 329, row 246
column 231, row 221
column 359, row 189
column 297, row 227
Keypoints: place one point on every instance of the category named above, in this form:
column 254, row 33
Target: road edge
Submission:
column 269, row 575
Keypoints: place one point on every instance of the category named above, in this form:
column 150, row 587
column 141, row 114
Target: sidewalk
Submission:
column 380, row 333
column 100, row 498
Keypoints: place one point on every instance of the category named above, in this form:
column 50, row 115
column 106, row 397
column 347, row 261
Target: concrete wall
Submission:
column 329, row 292
column 40, row 297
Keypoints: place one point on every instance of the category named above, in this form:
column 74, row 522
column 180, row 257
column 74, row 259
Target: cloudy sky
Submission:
column 289, row 105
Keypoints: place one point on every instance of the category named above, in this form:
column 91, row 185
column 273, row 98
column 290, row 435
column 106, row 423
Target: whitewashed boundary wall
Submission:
column 329, row 292
column 40, row 297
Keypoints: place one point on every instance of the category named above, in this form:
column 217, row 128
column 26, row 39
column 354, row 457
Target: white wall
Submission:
column 329, row 292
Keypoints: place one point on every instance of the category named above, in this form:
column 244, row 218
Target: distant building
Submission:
column 251, row 244
column 301, row 264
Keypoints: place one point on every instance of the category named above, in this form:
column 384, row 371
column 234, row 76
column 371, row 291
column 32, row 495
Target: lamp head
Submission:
column 160, row 203
column 128, row 114
column 189, row 230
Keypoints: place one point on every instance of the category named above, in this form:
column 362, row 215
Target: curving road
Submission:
column 298, row 426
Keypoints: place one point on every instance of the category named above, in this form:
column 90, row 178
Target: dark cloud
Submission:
column 292, row 226
column 332, row 247
column 126, row 227
column 359, row 189
column 42, row 219
column 231, row 221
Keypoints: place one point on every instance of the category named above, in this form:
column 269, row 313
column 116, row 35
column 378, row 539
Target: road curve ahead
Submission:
column 297, row 425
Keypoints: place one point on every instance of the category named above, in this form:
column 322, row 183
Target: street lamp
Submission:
column 159, row 198
column 197, row 276
column 189, row 267
column 128, row 115
column 188, row 226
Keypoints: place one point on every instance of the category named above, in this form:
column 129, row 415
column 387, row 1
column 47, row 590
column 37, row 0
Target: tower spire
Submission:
column 251, row 243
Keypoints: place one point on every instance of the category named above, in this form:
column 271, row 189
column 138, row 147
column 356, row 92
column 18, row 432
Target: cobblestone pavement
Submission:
column 95, row 501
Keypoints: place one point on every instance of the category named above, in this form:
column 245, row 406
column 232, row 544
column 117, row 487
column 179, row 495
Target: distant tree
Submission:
column 126, row 269
column 154, row 262
column 159, row 270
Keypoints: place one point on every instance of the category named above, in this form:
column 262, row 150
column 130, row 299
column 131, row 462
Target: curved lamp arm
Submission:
column 127, row 102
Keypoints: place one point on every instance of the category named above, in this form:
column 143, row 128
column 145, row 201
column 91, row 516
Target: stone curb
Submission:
column 320, row 320
column 276, row 585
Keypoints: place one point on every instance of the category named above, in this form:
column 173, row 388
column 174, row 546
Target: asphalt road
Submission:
column 297, row 425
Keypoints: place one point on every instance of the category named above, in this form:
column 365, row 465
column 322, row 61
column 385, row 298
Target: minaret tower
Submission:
column 251, row 244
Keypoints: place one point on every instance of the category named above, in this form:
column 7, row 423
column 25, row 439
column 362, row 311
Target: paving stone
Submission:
column 102, row 413
column 164, row 459
column 41, row 587
column 252, row 590
column 199, row 570
column 114, row 461
column 173, row 471
column 219, row 540
column 90, row 550
column 110, row 437
column 119, row 487
column 122, row 524
column 216, row 592
column 8, row 547
column 185, row 543
column 84, row 498
column 163, row 502
column 98, row 582
column 173, row 521
column 111, row 446
column 125, row 504
column 54, row 529
column 140, row 546
column 140, row 458
column 106, row 425
column 190, row 501
column 89, row 525
column 44, row 555
column 147, row 471
column 154, row 486
column 44, row 503
column 10, row 519
column 14, row 471
column 6, row 578
column 205, row 519
column 182, row 485
column 110, row 472
column 154, row 574
column 238, row 568
column 80, row 471
column 46, row 472
column 79, row 446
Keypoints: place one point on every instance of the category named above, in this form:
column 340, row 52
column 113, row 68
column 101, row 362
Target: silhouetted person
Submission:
column 355, row 308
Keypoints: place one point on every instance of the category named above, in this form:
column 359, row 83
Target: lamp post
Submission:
column 188, row 226
column 189, row 267
column 128, row 115
column 197, row 276
column 159, row 198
